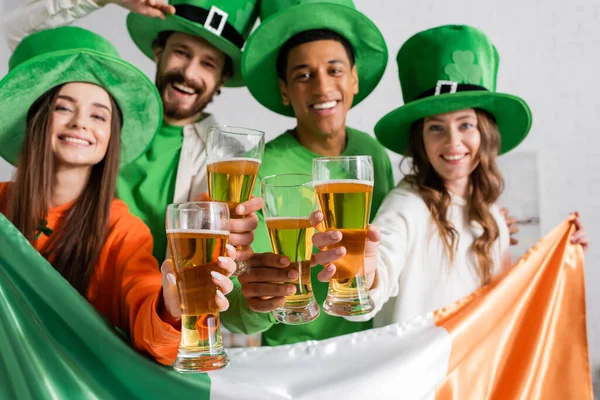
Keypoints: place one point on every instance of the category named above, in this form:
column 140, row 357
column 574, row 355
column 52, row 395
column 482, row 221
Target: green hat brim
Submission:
column 143, row 30
column 260, row 54
column 512, row 115
column 135, row 94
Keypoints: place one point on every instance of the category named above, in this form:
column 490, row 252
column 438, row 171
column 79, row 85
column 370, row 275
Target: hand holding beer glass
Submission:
column 289, row 201
column 197, row 234
column 344, row 187
column 233, row 155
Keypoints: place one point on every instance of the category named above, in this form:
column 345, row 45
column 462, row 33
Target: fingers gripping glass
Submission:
column 344, row 187
column 289, row 201
column 197, row 233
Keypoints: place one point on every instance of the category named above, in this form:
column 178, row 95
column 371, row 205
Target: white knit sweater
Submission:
column 414, row 271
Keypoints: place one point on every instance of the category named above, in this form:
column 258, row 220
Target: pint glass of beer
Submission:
column 289, row 201
column 197, row 233
column 344, row 187
column 233, row 158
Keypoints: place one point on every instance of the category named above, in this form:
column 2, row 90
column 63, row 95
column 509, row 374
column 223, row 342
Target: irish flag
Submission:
column 521, row 337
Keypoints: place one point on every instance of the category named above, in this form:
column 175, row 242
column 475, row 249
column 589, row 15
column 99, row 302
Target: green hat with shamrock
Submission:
column 450, row 68
column 53, row 57
column 225, row 24
column 282, row 19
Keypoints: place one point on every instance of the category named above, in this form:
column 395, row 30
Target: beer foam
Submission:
column 346, row 181
column 254, row 160
column 287, row 218
column 202, row 231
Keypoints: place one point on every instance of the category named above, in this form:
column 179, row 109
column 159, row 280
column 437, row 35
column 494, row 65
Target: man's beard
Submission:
column 172, row 109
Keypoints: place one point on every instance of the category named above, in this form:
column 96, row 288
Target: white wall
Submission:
column 549, row 56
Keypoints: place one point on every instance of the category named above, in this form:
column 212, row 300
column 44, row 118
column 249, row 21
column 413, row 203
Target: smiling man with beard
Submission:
column 197, row 52
column 196, row 45
column 190, row 72
column 187, row 90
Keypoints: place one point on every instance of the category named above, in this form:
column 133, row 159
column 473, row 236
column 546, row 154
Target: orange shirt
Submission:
column 126, row 286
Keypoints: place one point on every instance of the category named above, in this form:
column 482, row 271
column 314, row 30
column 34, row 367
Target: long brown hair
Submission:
column 486, row 186
column 74, row 247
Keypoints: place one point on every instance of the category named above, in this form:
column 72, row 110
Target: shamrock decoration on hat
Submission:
column 450, row 68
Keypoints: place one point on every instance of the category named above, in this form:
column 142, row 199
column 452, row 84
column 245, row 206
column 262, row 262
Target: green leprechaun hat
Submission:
column 282, row 19
column 225, row 24
column 54, row 57
column 450, row 68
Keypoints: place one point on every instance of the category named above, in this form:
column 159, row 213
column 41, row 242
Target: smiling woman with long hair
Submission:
column 84, row 113
column 439, row 235
column 53, row 151
column 474, row 147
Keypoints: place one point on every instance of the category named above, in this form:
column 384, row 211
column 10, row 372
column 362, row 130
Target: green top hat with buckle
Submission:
column 450, row 68
column 54, row 57
column 225, row 24
column 282, row 19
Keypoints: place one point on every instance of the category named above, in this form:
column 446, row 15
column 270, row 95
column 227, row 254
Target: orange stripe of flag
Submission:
column 523, row 336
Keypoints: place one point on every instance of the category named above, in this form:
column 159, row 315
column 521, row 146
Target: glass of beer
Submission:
column 344, row 187
column 197, row 233
column 289, row 201
column 233, row 158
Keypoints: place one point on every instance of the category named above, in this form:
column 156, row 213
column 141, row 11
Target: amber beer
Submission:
column 292, row 237
column 346, row 206
column 232, row 181
column 195, row 254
